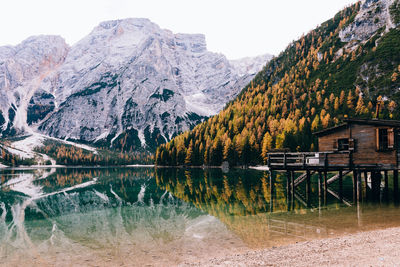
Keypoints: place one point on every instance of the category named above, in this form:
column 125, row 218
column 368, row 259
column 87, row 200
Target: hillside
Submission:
column 340, row 69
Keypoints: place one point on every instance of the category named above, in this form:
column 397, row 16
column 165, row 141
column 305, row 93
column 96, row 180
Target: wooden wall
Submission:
column 365, row 150
column 325, row 143
column 365, row 145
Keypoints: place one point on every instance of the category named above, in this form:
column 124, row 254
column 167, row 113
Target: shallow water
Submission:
column 143, row 216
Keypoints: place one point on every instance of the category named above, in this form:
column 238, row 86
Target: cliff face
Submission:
column 128, row 79
column 22, row 69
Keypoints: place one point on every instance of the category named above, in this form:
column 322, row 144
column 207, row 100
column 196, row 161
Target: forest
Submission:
column 314, row 84
column 72, row 155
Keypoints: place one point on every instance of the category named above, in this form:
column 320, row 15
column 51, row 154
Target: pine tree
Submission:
column 350, row 100
column 189, row 160
column 266, row 146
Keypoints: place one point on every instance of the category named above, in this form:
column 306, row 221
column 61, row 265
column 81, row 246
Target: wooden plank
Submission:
column 354, row 186
column 396, row 184
column 340, row 185
column 301, row 199
column 320, row 184
column 308, row 187
column 386, row 193
column 325, row 187
column 333, row 193
column 293, row 187
column 336, row 177
column 359, row 195
column 300, row 179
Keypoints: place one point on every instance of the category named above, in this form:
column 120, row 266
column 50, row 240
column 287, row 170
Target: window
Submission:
column 384, row 139
column 343, row 144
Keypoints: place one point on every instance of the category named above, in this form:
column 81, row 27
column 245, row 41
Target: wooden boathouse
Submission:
column 361, row 147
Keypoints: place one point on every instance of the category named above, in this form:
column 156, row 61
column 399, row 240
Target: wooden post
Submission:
column 284, row 160
column 354, row 186
column 325, row 187
column 366, row 184
column 341, row 186
column 308, row 187
column 271, row 192
column 293, row 177
column 396, row 185
column 326, row 161
column 359, row 192
column 288, row 180
column 386, row 193
column 320, row 189
column 376, row 184
column 288, row 183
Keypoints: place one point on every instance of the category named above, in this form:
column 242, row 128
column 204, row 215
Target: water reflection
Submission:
column 165, row 216
column 96, row 215
column 257, row 208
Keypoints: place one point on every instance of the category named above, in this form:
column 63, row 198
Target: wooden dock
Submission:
column 331, row 167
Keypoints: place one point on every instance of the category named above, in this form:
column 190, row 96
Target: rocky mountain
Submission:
column 346, row 67
column 128, row 84
column 22, row 69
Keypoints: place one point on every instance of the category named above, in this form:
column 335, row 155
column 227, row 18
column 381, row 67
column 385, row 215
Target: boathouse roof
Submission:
column 346, row 122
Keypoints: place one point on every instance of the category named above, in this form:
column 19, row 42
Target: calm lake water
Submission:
column 143, row 216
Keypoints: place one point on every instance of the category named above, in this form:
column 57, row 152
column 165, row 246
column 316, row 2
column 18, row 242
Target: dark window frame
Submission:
column 343, row 144
column 385, row 139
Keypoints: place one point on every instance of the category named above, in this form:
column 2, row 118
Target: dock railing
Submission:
column 285, row 160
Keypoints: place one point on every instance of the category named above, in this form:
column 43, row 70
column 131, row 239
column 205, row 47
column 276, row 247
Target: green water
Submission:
column 139, row 216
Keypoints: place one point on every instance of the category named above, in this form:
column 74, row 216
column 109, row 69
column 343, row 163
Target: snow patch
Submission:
column 141, row 137
column 102, row 136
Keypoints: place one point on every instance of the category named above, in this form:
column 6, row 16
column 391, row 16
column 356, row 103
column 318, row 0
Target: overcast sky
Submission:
column 236, row 28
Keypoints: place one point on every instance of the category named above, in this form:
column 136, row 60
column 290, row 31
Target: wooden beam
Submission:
column 340, row 185
column 271, row 187
column 333, row 193
column 325, row 187
column 308, row 187
column 336, row 177
column 396, row 185
column 354, row 186
column 301, row 199
column 376, row 184
column 359, row 194
column 288, row 181
column 302, row 177
column 292, row 185
column 386, row 194
column 320, row 189
column 366, row 184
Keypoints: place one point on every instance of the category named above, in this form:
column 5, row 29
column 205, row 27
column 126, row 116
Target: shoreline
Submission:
column 33, row 167
column 370, row 248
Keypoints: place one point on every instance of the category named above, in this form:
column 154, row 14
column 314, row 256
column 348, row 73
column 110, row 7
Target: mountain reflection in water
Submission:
column 136, row 216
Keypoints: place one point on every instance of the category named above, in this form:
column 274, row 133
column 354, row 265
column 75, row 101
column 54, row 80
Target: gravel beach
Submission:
column 374, row 248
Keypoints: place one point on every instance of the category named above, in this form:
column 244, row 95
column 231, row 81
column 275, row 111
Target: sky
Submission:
column 236, row 28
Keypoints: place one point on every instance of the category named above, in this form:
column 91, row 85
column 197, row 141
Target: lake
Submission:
column 147, row 216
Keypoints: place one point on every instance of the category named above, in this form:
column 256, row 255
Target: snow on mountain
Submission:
column 128, row 82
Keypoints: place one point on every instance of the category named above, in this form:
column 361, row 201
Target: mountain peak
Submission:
column 127, row 79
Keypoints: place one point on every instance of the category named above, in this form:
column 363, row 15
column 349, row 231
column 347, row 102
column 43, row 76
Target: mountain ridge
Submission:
column 129, row 84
